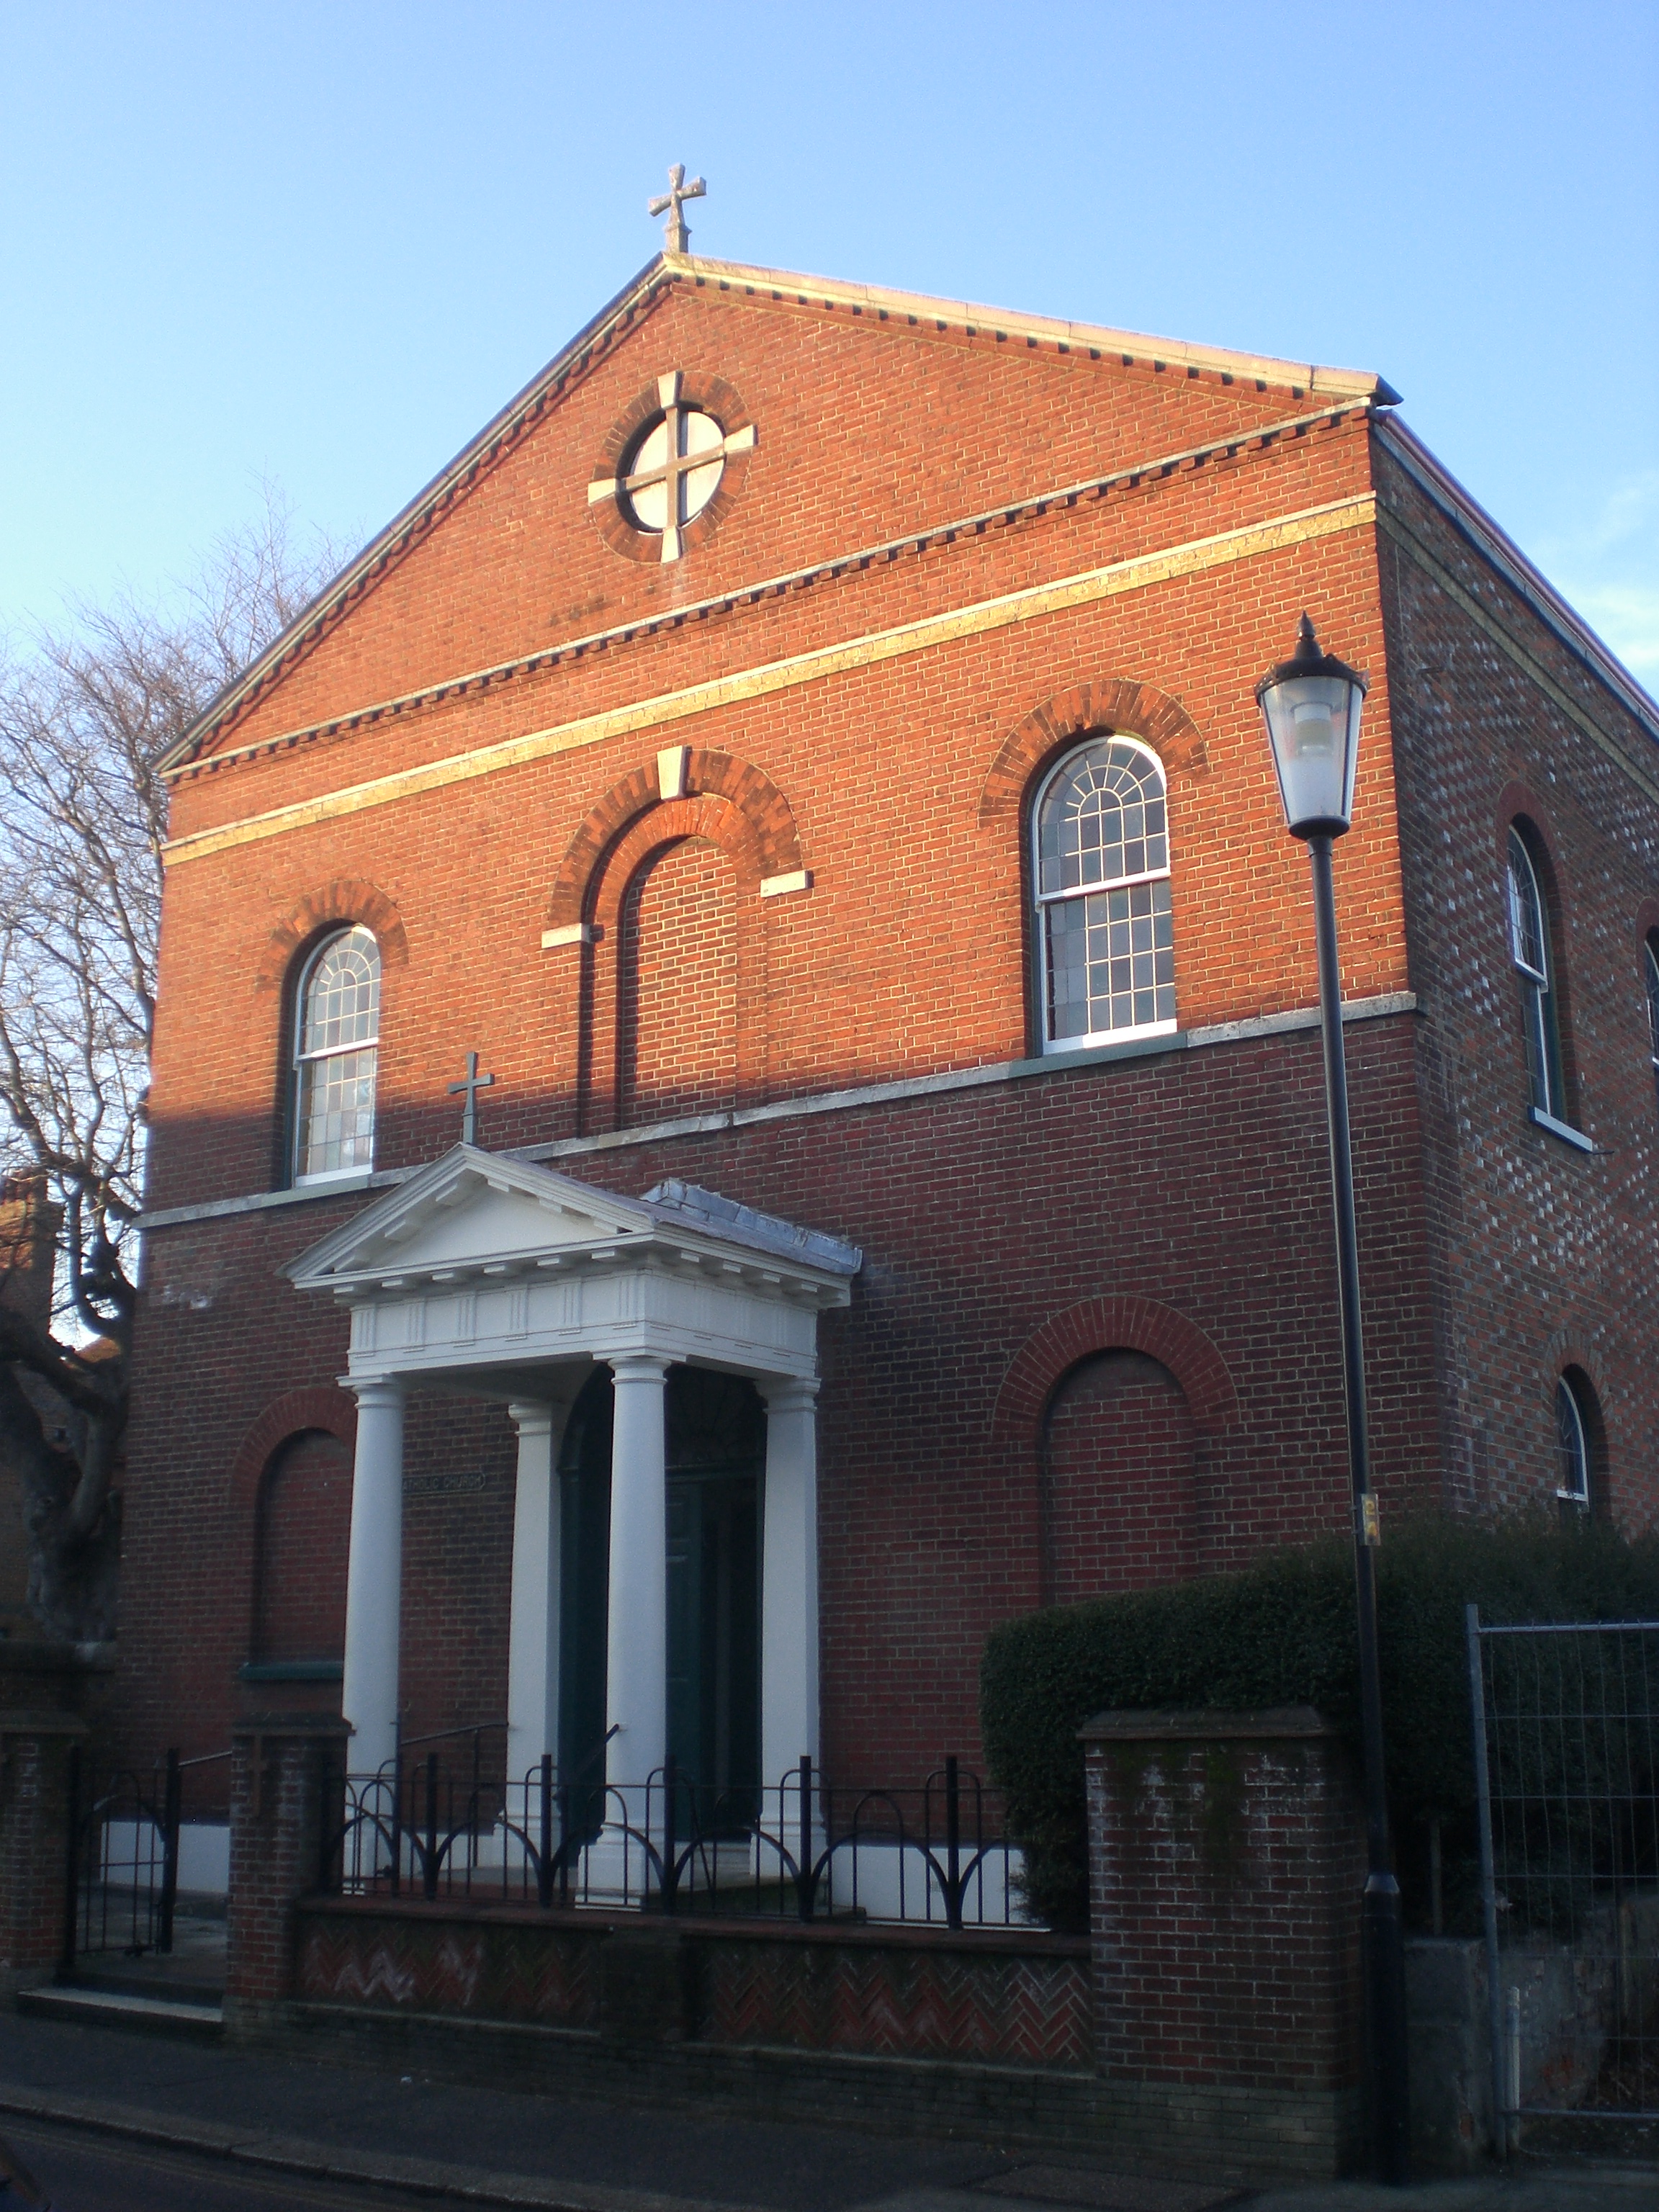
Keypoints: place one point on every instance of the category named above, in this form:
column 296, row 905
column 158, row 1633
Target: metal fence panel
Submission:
column 803, row 1848
column 1566, row 1743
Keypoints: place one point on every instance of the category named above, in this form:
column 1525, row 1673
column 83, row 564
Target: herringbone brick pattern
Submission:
column 1013, row 2010
column 498, row 1972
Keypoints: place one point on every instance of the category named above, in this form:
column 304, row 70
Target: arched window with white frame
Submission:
column 1530, row 951
column 1105, row 934
column 1577, row 1440
column 337, row 1030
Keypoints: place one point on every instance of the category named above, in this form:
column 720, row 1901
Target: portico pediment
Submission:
column 483, row 1257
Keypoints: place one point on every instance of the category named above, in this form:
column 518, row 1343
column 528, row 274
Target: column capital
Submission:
column 531, row 1416
column 381, row 1390
column 787, row 1393
column 638, row 1367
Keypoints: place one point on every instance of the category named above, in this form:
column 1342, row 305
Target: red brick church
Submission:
column 805, row 748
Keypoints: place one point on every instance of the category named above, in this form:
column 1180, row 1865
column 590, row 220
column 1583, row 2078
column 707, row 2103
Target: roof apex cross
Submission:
column 675, row 232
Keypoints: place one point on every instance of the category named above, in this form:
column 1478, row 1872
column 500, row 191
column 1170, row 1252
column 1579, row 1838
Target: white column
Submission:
column 789, row 1579
column 532, row 1643
column 636, row 1679
column 374, row 1577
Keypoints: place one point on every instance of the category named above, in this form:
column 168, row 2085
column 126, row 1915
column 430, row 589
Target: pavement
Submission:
column 253, row 2129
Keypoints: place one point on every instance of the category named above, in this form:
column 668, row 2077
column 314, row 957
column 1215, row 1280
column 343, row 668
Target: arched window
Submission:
column 1650, row 967
column 336, row 1031
column 1105, row 935
column 1530, row 950
column 1575, row 1425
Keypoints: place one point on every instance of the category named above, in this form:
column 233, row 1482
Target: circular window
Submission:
column 674, row 470
column 670, row 467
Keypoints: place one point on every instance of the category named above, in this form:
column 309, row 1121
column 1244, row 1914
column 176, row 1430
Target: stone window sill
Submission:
column 1564, row 1130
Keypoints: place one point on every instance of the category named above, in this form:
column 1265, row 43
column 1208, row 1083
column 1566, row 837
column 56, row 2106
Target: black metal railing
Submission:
column 121, row 1870
column 803, row 1848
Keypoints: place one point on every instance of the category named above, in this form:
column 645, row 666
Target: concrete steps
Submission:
column 148, row 2008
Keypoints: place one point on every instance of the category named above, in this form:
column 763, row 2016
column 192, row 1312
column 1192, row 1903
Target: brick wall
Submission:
column 677, row 1024
column 1540, row 1254
column 1013, row 2000
column 35, row 1753
column 1226, row 1856
column 1120, row 1462
column 28, row 1251
column 303, row 1524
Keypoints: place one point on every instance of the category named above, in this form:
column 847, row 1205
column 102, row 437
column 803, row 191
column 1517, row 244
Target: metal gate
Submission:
column 122, row 1867
column 1566, row 1760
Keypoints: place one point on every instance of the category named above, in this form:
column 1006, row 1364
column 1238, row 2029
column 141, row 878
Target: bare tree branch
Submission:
column 84, row 714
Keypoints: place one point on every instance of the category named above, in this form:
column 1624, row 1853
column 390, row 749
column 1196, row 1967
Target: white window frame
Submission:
column 302, row 1059
column 1541, row 1008
column 1565, row 1394
column 1650, row 977
column 1096, row 1040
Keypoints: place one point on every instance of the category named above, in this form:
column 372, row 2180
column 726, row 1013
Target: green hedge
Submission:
column 1282, row 1632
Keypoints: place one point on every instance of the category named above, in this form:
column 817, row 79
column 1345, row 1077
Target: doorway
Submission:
column 716, row 1458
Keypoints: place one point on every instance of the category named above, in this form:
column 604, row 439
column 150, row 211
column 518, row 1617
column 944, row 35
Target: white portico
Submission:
column 487, row 1274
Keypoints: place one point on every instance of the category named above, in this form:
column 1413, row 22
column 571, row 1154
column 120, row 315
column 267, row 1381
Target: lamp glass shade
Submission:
column 1311, row 707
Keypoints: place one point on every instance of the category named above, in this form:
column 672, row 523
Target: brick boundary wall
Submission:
column 1226, row 1857
column 1019, row 1998
column 280, row 1765
column 35, row 1750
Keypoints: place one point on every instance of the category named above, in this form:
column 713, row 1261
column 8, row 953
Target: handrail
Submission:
column 442, row 1735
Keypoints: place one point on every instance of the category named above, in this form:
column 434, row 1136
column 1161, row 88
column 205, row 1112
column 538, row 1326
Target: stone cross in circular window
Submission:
column 673, row 469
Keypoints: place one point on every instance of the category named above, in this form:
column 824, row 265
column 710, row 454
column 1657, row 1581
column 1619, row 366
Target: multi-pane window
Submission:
column 337, row 1030
column 1105, row 934
column 1572, row 1448
column 1530, row 950
column 1651, row 967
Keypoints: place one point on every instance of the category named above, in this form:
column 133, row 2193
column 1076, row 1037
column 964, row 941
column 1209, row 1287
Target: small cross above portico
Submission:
column 472, row 1083
column 675, row 232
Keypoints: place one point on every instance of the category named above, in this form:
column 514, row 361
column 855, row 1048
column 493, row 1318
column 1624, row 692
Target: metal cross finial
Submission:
column 473, row 1085
column 675, row 233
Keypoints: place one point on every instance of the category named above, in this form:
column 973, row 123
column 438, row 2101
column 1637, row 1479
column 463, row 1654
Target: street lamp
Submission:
column 1311, row 706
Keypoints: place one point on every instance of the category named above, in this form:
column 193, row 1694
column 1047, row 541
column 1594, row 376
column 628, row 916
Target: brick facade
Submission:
column 1093, row 1342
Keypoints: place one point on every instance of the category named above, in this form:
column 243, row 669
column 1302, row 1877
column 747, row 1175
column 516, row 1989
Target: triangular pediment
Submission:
column 526, row 477
column 470, row 1210
column 474, row 1215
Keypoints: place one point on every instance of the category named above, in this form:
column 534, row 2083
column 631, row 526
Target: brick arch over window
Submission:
column 753, row 799
column 749, row 823
column 322, row 1406
column 340, row 905
column 1115, row 703
column 322, row 1409
column 1104, row 1325
column 1118, row 1504
column 301, row 1544
column 1571, row 1347
column 677, row 973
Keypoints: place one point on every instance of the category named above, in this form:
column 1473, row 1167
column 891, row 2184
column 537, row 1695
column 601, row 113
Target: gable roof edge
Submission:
column 1558, row 615
column 1305, row 376
column 505, row 420
column 1299, row 376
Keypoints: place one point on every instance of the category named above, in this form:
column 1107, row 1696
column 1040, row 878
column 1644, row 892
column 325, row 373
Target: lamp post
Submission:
column 1311, row 706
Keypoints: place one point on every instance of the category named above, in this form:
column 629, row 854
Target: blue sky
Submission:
column 320, row 244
